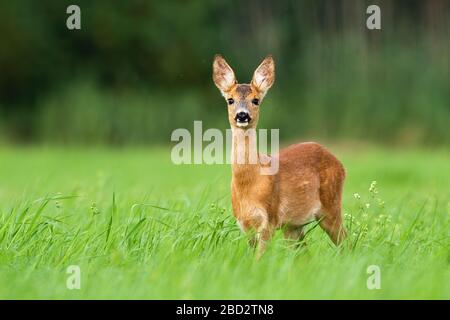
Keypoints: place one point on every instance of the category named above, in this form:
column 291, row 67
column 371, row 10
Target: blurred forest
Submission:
column 139, row 69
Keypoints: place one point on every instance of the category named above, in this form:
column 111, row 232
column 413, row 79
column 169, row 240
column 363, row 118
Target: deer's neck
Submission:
column 245, row 162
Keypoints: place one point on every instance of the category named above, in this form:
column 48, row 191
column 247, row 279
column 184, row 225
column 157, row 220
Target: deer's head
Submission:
column 243, row 100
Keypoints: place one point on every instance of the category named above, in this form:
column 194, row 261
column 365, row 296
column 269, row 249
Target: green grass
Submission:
column 140, row 227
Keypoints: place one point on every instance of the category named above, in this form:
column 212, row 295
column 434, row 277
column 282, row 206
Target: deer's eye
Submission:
column 255, row 101
column 230, row 101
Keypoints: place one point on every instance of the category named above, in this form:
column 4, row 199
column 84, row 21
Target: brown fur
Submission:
column 308, row 185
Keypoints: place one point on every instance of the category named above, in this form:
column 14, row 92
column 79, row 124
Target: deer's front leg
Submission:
column 262, row 237
column 256, row 226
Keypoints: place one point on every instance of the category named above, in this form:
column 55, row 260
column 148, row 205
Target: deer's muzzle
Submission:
column 242, row 118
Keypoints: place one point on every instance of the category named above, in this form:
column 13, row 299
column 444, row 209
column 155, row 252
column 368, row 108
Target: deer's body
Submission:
column 308, row 184
column 307, row 187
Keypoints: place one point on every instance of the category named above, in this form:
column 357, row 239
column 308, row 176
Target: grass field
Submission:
column 140, row 227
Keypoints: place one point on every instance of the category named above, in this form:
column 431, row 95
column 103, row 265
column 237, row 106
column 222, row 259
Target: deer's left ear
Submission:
column 264, row 75
column 223, row 75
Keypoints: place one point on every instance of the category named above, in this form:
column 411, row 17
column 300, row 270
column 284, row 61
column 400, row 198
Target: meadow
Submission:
column 140, row 227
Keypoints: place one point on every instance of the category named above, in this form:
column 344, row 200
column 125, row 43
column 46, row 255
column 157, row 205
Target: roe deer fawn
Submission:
column 308, row 184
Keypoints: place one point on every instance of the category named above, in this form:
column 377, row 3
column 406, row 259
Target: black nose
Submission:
column 242, row 117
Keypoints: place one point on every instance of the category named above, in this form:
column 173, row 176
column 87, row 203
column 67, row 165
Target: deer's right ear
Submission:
column 223, row 75
column 264, row 75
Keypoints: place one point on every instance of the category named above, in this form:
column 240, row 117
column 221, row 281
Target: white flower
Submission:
column 373, row 187
column 357, row 196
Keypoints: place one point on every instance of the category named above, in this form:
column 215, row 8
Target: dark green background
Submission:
column 139, row 69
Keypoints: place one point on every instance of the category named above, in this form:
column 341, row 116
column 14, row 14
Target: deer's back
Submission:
column 309, row 156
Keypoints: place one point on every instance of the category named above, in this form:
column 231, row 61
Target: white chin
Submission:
column 242, row 124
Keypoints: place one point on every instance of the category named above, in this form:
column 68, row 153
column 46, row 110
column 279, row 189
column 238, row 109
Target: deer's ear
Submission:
column 223, row 75
column 264, row 75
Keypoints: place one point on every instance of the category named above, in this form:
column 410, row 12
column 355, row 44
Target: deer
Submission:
column 307, row 186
